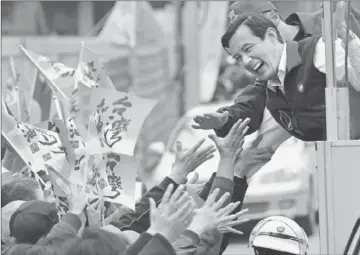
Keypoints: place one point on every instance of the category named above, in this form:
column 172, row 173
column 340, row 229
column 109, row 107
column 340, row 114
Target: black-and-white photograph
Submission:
column 180, row 127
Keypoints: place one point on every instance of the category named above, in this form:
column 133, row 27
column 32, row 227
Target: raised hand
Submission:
column 252, row 159
column 95, row 214
column 211, row 120
column 173, row 215
column 231, row 220
column 213, row 216
column 231, row 145
column 187, row 161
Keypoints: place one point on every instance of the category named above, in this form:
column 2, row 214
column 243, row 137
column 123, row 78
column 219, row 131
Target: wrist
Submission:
column 177, row 178
column 196, row 229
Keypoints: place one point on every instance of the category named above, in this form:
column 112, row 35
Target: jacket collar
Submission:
column 293, row 58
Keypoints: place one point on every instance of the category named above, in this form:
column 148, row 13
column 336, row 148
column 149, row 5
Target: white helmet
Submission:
column 280, row 234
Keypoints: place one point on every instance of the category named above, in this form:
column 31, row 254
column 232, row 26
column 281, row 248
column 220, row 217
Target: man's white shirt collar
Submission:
column 281, row 72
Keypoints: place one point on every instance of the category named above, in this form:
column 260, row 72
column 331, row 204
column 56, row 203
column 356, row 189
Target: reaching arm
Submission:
column 353, row 60
column 250, row 103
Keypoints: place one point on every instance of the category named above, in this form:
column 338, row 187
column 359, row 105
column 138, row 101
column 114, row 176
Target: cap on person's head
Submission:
column 33, row 220
column 6, row 212
column 248, row 6
column 281, row 234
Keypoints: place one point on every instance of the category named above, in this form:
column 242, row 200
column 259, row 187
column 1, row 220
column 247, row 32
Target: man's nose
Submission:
column 246, row 59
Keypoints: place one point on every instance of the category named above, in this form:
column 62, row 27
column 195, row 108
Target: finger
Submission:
column 185, row 211
column 205, row 151
column 237, row 222
column 176, row 195
column 183, row 199
column 243, row 128
column 203, row 160
column 210, row 115
column 167, row 194
column 257, row 141
column 235, row 127
column 200, row 117
column 221, row 201
column 152, row 206
column 197, row 126
column 196, row 146
column 194, row 178
column 242, row 212
column 261, row 157
column 228, row 209
column 232, row 230
column 238, row 154
column 100, row 207
column 178, row 148
column 215, row 139
column 211, row 199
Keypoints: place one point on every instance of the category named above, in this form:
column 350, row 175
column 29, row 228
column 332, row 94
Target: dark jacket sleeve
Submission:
column 147, row 244
column 139, row 244
column 139, row 221
column 158, row 245
column 207, row 187
column 250, row 103
column 240, row 188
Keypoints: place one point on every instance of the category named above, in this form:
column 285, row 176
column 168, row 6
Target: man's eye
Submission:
column 248, row 49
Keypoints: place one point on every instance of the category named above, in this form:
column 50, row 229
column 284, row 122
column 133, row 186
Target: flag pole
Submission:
column 16, row 85
column 51, row 83
column 78, row 70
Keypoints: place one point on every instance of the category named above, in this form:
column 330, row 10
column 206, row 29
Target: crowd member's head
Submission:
column 28, row 249
column 278, row 236
column 254, row 42
column 95, row 241
column 6, row 213
column 264, row 8
column 25, row 189
column 32, row 221
column 56, row 243
column 19, row 249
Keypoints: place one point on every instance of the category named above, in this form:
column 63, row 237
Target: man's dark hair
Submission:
column 19, row 189
column 257, row 23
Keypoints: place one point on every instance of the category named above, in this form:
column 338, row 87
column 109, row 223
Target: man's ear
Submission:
column 271, row 34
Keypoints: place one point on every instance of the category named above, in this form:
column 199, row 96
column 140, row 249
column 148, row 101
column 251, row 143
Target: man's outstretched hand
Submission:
column 211, row 120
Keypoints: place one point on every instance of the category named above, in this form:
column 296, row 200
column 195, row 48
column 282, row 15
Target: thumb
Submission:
column 194, row 178
column 225, row 115
column 257, row 141
column 214, row 139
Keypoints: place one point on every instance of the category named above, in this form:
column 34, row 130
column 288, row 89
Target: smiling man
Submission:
column 294, row 73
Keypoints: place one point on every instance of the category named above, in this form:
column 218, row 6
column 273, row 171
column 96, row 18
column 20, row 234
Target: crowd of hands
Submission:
column 177, row 210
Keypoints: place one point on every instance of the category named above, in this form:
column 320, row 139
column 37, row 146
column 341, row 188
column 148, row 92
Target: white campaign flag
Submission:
column 120, row 27
column 210, row 46
column 114, row 179
column 116, row 121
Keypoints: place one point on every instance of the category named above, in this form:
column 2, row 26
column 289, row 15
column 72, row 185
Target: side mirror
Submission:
column 156, row 148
